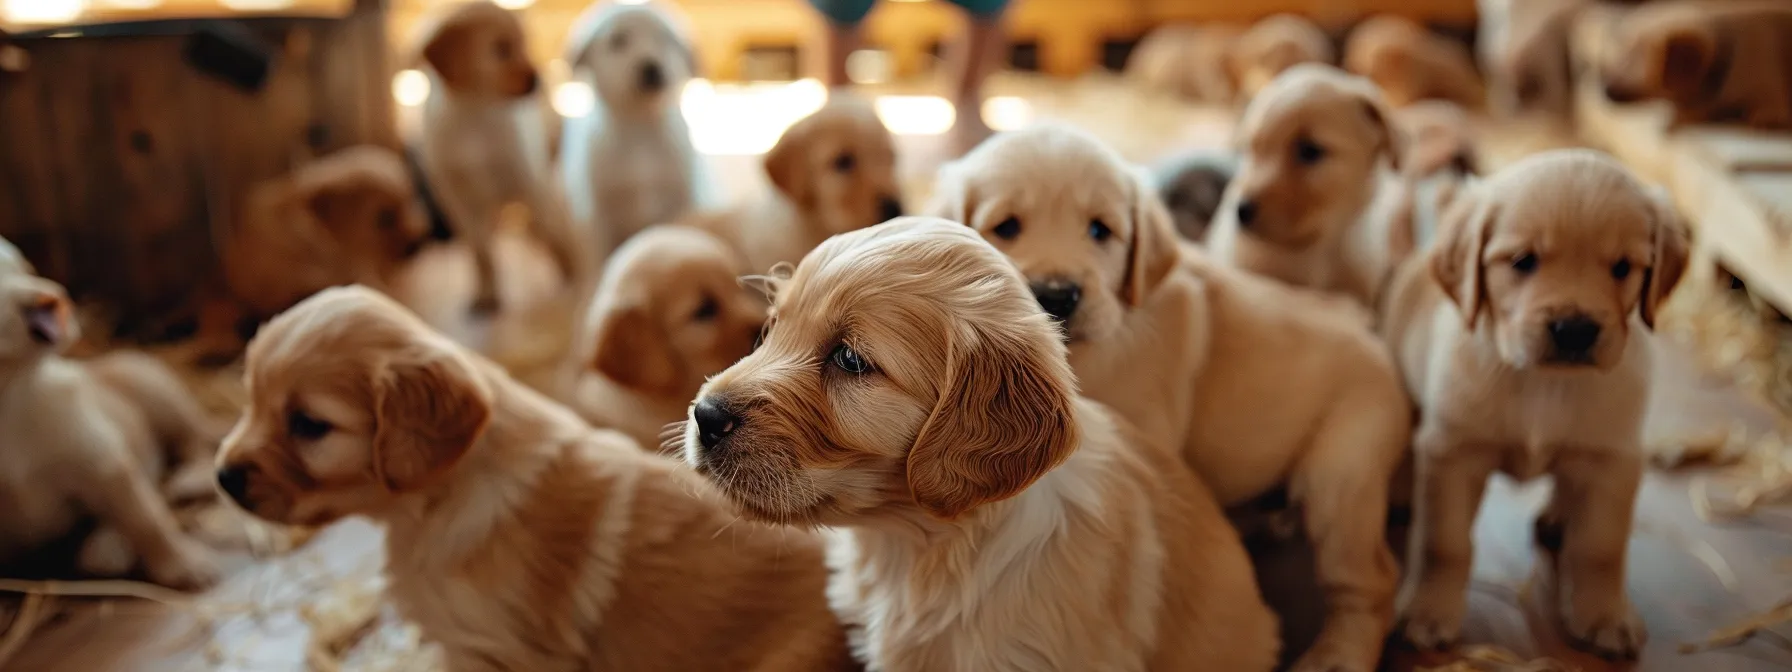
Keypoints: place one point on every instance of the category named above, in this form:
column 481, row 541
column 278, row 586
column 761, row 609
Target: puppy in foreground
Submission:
column 1274, row 45
column 1410, row 63
column 1715, row 61
column 910, row 394
column 1260, row 387
column 517, row 536
column 1520, row 333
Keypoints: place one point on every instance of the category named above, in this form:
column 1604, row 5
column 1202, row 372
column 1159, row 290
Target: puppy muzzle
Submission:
column 1059, row 298
column 1573, row 340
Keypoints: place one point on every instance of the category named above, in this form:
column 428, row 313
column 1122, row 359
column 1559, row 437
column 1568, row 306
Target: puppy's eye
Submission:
column 1008, row 229
column 1099, row 231
column 1525, row 263
column 707, row 310
column 848, row 360
column 845, row 162
column 302, row 426
column 388, row 219
column 1621, row 270
column 618, row 42
column 1308, row 152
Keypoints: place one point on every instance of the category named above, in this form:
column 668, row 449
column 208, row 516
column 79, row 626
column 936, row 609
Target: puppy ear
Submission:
column 427, row 413
column 1687, row 54
column 784, row 165
column 951, row 197
column 1003, row 420
column 1456, row 263
column 633, row 350
column 1153, row 251
column 1669, row 263
column 1394, row 139
column 444, row 52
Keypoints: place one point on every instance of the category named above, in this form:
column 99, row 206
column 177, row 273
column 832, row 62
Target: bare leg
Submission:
column 972, row 60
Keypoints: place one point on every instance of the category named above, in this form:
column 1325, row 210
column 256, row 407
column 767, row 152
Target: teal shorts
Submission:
column 851, row 12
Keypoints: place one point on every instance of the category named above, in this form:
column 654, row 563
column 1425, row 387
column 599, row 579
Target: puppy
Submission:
column 1317, row 185
column 94, row 438
column 483, row 145
column 1515, row 334
column 668, row 313
column 1715, row 61
column 1272, row 45
column 1188, row 61
column 517, row 537
column 833, row 171
column 1522, row 47
column 910, row 394
column 1411, row 63
column 1191, row 187
column 630, row 162
column 1259, row 387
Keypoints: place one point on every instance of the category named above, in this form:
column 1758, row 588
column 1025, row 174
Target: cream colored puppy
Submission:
column 910, row 394
column 1517, row 337
column 1410, row 63
column 1259, row 386
column 1272, row 46
column 1522, row 47
column 517, row 537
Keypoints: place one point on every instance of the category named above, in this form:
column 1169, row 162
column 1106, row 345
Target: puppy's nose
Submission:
column 1058, row 298
column 653, row 78
column 889, row 208
column 714, row 422
column 234, row 481
column 45, row 321
column 1574, row 335
column 1247, row 212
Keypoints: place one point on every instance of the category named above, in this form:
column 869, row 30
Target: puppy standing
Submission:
column 1716, row 61
column 1411, row 63
column 1273, row 45
column 517, row 536
column 911, row 394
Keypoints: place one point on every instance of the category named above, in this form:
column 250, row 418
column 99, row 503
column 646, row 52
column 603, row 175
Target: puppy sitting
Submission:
column 517, row 536
column 1259, row 387
column 910, row 393
column 668, row 313
column 1715, row 61
column 1528, row 295
column 1191, row 187
column 1411, row 63
column 1273, row 45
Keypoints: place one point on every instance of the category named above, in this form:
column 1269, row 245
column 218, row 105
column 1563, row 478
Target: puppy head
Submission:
column 1274, row 45
column 671, row 311
column 1088, row 233
column 906, row 370
column 363, row 196
column 1310, row 146
column 477, row 49
column 353, row 403
column 1555, row 252
column 14, row 261
column 1191, row 188
column 36, row 317
column 1670, row 53
column 637, row 58
column 1383, row 49
column 838, row 166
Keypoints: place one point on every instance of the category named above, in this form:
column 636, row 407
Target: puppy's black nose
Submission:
column 889, row 208
column 714, row 422
column 1247, row 212
column 1058, row 298
column 1573, row 335
column 234, row 481
column 653, row 78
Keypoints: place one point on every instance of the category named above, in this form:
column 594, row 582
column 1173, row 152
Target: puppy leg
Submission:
column 1592, row 506
column 554, row 225
column 485, row 297
column 123, row 499
column 1450, row 481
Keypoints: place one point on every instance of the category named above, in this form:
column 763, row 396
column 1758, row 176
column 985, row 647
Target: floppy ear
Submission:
column 1687, row 55
column 1153, row 251
column 442, row 51
column 951, row 198
column 1669, row 263
column 784, row 164
column 633, row 351
column 1456, row 263
column 1393, row 137
column 427, row 413
column 1003, row 419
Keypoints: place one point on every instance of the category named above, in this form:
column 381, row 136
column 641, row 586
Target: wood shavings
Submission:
column 341, row 620
column 1487, row 658
column 1763, row 478
column 1742, row 631
column 1715, row 447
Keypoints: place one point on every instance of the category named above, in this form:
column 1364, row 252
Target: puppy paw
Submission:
column 106, row 553
column 193, row 481
column 1608, row 630
column 1433, row 620
column 189, row 567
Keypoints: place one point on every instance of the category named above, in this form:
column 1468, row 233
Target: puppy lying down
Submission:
column 910, row 394
column 516, row 535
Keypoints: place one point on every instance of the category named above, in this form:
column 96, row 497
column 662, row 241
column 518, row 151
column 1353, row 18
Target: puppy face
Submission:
column 1667, row 54
column 36, row 317
column 478, row 49
column 1274, row 45
column 1191, row 188
column 839, row 166
column 353, row 402
column 1089, row 235
column 1310, row 144
column 672, row 311
column 638, row 60
column 906, row 371
column 1556, row 251
column 364, row 197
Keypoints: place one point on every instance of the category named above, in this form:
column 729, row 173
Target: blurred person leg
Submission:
column 978, row 53
column 845, row 19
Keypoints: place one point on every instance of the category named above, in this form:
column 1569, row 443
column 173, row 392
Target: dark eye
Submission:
column 1525, row 263
column 849, row 360
column 845, row 162
column 302, row 426
column 1099, row 231
column 1008, row 229
column 1308, row 152
column 707, row 310
column 388, row 219
column 1621, row 270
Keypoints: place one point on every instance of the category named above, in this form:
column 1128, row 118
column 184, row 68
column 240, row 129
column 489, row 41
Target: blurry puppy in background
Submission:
column 1523, row 51
column 484, row 144
column 1187, row 61
column 1411, row 63
column 1191, row 187
column 1538, row 287
column 630, row 163
column 1715, row 61
column 1273, row 45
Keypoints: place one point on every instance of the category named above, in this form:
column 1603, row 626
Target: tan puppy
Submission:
column 1188, row 61
column 1316, row 186
column 1275, row 44
column 94, row 438
column 1716, row 61
column 1515, row 335
column 1523, row 51
column 1257, row 386
column 911, row 394
column 517, row 536
column 1411, row 63
column 669, row 313
column 833, row 171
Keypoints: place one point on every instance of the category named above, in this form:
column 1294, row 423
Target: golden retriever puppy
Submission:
column 1273, row 45
column 1715, row 61
column 94, row 438
column 517, row 536
column 669, row 312
column 910, row 394
column 1411, row 63
column 1317, row 184
column 483, row 144
column 1516, row 335
column 1522, row 47
column 1256, row 385
column 833, row 171
column 1188, row 61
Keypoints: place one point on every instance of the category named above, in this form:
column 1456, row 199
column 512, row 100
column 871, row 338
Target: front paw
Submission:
column 189, row 567
column 1608, row 628
column 1433, row 619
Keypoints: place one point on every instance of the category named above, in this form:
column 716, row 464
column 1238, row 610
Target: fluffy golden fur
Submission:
column 1188, row 61
column 1517, row 333
column 910, row 394
column 516, row 535
column 1715, row 61
column 1273, row 45
column 1256, row 385
column 1411, row 63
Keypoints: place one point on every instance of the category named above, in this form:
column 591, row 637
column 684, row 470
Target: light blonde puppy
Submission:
column 670, row 312
column 1258, row 386
column 1273, row 45
column 1518, row 333
column 1188, row 61
column 910, row 394
column 1715, row 61
column 517, row 536
column 1410, row 63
